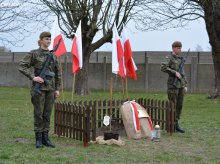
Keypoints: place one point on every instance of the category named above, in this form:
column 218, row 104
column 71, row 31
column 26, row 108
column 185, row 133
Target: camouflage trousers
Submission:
column 177, row 97
column 43, row 105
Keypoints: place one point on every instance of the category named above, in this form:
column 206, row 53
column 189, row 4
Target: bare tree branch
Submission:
column 98, row 16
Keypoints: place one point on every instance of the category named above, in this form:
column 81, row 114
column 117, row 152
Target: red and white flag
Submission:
column 117, row 54
column 76, row 51
column 130, row 67
column 57, row 40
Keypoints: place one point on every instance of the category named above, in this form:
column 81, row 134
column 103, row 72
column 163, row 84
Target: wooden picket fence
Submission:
column 80, row 120
column 74, row 121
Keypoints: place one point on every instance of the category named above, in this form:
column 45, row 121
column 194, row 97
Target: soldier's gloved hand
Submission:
column 185, row 89
column 56, row 94
column 178, row 75
column 38, row 79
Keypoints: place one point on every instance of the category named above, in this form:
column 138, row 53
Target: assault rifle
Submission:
column 180, row 69
column 45, row 73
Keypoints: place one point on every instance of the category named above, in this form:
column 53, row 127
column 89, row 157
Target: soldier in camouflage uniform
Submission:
column 43, row 103
column 175, row 92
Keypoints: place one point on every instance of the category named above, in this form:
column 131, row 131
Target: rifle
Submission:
column 180, row 69
column 45, row 73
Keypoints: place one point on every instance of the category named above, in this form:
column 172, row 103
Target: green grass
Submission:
column 200, row 143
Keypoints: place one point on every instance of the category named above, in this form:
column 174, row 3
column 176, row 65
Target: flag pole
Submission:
column 126, row 87
column 73, row 87
column 111, row 88
column 61, row 74
column 123, row 90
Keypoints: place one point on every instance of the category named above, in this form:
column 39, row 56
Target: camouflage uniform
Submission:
column 175, row 93
column 43, row 103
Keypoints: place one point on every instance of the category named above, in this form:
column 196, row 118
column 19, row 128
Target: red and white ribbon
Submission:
column 135, row 116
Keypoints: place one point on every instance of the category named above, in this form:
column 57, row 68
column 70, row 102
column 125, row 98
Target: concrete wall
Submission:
column 198, row 67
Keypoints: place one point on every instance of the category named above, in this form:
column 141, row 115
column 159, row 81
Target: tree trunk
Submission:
column 81, row 83
column 216, row 61
column 212, row 19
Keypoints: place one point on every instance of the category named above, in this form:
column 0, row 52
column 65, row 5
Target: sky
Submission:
column 191, row 36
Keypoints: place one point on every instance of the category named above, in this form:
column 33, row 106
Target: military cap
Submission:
column 177, row 44
column 45, row 34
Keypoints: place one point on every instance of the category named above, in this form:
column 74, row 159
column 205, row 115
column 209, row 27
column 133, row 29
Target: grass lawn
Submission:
column 200, row 143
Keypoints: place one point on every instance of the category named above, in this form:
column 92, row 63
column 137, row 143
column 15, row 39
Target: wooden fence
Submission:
column 74, row 121
column 80, row 120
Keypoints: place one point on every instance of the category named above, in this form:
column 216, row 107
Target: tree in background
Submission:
column 11, row 30
column 163, row 14
column 4, row 49
column 17, row 20
column 97, row 16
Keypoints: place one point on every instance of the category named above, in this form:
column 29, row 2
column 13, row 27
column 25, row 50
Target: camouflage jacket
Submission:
column 170, row 66
column 35, row 59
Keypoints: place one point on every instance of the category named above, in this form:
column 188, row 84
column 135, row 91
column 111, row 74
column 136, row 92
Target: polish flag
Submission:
column 77, row 51
column 129, row 64
column 57, row 42
column 117, row 54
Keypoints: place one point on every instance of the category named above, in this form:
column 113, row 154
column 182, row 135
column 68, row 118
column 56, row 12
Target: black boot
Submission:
column 46, row 141
column 179, row 129
column 38, row 136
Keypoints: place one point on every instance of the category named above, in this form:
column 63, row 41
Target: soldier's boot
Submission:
column 46, row 141
column 38, row 136
column 179, row 129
